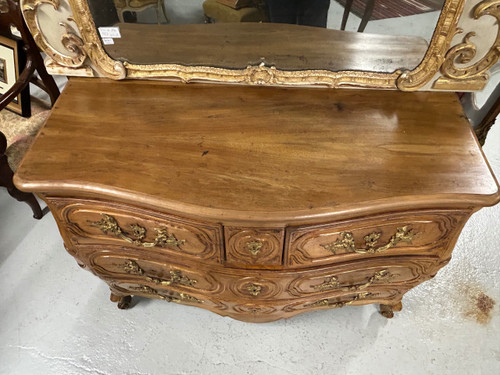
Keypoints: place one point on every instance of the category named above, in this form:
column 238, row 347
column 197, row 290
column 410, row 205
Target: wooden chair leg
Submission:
column 6, row 176
column 347, row 10
column 164, row 10
column 367, row 15
column 49, row 85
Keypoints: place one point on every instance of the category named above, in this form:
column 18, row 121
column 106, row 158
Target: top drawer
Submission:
column 427, row 232
column 91, row 222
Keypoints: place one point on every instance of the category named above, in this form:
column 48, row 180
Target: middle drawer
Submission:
column 254, row 247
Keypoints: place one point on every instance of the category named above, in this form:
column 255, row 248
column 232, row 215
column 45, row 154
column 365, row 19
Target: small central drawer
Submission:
column 253, row 246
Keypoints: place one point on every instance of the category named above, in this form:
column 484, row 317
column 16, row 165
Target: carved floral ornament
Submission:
column 444, row 67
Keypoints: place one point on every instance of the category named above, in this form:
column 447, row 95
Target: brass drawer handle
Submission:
column 333, row 282
column 336, row 305
column 254, row 247
column 108, row 224
column 182, row 297
column 176, row 276
column 346, row 242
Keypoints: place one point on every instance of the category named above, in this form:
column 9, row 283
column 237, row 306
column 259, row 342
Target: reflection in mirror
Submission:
column 335, row 35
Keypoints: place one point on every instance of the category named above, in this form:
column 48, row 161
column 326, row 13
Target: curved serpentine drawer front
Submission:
column 264, row 295
column 256, row 274
column 257, row 311
column 404, row 233
column 232, row 285
column 95, row 223
column 92, row 222
column 128, row 265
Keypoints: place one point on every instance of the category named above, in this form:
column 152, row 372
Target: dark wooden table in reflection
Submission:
column 288, row 47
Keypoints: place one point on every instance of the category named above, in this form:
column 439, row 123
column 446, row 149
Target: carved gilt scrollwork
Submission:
column 92, row 43
column 108, row 224
column 463, row 53
column 441, row 40
column 70, row 39
column 264, row 75
column 73, row 43
column 439, row 58
column 88, row 45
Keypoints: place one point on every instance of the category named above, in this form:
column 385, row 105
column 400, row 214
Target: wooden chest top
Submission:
column 243, row 153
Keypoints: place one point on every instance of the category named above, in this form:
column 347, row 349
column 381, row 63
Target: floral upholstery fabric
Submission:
column 21, row 132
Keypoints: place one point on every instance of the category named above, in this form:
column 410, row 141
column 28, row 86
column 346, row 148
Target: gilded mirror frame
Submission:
column 450, row 63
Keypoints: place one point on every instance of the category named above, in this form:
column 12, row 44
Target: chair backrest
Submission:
column 10, row 15
column 483, row 118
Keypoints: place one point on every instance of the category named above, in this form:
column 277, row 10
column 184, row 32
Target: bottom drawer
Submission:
column 358, row 298
column 166, row 294
column 258, row 312
column 258, row 295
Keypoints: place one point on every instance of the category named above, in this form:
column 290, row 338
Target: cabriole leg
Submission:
column 388, row 310
column 123, row 301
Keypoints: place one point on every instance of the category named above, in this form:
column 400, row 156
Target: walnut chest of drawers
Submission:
column 258, row 203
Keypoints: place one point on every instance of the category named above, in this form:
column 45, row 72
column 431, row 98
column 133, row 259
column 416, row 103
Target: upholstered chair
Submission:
column 220, row 13
column 123, row 6
column 16, row 133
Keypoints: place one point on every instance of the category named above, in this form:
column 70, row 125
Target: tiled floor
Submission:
column 56, row 318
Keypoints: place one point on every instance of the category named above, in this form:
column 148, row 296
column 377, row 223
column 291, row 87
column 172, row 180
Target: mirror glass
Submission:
column 335, row 35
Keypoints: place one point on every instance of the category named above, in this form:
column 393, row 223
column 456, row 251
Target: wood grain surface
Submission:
column 237, row 45
column 258, row 203
column 276, row 155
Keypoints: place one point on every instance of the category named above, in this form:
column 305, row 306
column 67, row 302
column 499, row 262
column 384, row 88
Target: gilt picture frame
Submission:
column 453, row 61
column 12, row 60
